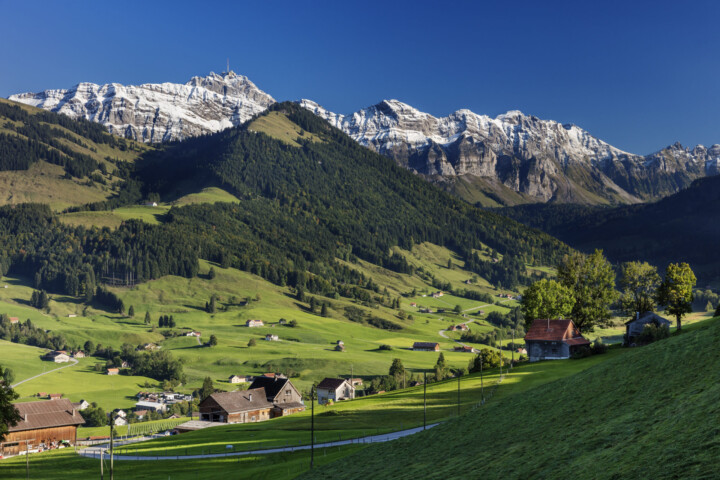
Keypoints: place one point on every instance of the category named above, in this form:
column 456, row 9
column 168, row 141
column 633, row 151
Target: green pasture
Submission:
column 281, row 466
column 391, row 411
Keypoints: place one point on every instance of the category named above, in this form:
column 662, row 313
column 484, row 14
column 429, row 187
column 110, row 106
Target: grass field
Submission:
column 146, row 213
column 649, row 412
column 278, row 126
column 390, row 411
column 307, row 351
column 48, row 465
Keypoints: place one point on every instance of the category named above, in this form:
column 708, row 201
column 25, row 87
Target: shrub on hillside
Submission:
column 652, row 333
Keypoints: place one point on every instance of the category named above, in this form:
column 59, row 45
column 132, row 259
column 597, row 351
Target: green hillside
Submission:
column 650, row 413
column 52, row 159
column 682, row 227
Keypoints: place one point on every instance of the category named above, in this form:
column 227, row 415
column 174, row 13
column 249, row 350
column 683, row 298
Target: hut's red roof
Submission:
column 555, row 330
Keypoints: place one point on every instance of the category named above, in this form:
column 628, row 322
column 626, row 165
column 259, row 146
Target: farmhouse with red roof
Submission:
column 553, row 339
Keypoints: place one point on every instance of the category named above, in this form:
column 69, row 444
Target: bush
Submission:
column 599, row 347
column 652, row 333
column 582, row 352
column 385, row 347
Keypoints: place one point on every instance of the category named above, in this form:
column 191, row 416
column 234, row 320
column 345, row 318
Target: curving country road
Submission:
column 74, row 362
column 94, row 452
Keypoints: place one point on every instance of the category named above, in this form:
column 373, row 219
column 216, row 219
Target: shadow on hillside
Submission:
column 22, row 301
column 194, row 307
column 67, row 299
column 191, row 347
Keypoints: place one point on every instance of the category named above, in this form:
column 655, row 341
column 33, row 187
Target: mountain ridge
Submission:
column 510, row 159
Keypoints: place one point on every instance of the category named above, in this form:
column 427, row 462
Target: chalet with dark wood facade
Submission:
column 236, row 407
column 635, row 327
column 286, row 399
column 553, row 339
column 45, row 425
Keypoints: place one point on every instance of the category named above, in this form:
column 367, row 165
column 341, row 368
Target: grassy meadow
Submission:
column 647, row 412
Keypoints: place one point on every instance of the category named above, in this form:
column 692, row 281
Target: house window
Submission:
column 252, row 419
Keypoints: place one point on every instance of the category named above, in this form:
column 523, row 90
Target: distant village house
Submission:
column 57, row 356
column 280, row 391
column 254, row 323
column 426, row 347
column 334, row 389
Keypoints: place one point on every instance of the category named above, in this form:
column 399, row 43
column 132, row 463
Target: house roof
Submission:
column 648, row 317
column 287, row 406
column 240, row 401
column 331, row 383
column 272, row 386
column 425, row 344
column 553, row 330
column 47, row 414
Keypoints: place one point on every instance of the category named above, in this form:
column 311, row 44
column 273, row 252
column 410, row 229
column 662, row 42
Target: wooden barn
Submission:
column 236, row 407
column 426, row 346
column 553, row 339
column 46, row 425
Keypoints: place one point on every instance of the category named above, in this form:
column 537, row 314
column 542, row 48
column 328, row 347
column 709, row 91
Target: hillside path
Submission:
column 74, row 362
column 94, row 452
column 444, row 335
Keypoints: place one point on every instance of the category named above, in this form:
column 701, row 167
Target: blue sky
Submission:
column 640, row 76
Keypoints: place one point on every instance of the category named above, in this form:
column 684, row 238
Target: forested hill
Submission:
column 29, row 135
column 308, row 195
column 311, row 191
column 682, row 227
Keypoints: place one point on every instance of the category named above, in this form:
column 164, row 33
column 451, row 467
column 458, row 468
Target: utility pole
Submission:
column 312, row 426
column 424, row 400
column 513, row 350
column 112, row 452
column 458, row 394
column 102, row 473
column 482, row 388
column 27, row 459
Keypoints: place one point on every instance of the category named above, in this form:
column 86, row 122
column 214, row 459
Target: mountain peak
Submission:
column 159, row 112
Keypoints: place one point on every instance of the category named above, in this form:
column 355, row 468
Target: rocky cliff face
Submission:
column 159, row 112
column 512, row 158
column 542, row 160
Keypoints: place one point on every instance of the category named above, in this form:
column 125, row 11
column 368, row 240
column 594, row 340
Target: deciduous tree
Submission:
column 592, row 282
column 676, row 291
column 639, row 283
column 546, row 299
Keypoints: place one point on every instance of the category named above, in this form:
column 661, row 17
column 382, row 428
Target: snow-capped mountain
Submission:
column 511, row 154
column 512, row 158
column 159, row 112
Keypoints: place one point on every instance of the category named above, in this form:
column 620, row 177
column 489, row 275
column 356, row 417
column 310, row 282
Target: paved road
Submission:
column 94, row 452
column 74, row 362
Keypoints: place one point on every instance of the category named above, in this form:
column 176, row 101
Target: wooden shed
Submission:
column 45, row 425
